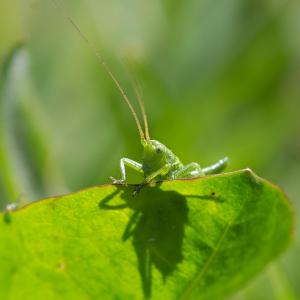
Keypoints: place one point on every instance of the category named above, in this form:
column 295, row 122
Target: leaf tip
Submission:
column 259, row 181
column 252, row 177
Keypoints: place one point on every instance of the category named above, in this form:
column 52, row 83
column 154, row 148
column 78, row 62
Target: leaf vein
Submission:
column 202, row 272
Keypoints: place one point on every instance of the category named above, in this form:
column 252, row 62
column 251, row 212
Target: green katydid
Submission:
column 158, row 161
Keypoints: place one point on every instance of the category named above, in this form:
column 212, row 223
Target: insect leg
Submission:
column 162, row 171
column 129, row 163
column 189, row 171
column 217, row 167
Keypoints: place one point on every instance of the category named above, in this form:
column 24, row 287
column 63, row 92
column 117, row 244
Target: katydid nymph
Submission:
column 158, row 161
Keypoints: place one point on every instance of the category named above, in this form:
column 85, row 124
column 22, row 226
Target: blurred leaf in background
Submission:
column 10, row 35
column 219, row 78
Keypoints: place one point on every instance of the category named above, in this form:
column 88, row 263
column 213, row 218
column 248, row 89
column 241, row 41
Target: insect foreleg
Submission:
column 162, row 171
column 217, row 167
column 189, row 171
column 129, row 163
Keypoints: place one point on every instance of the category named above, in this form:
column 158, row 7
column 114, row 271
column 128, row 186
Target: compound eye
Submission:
column 158, row 150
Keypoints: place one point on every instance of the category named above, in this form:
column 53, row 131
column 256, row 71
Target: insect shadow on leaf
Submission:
column 156, row 229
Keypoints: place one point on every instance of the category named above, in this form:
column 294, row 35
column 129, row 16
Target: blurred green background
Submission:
column 218, row 77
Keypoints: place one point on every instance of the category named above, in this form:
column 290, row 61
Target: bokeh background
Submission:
column 219, row 77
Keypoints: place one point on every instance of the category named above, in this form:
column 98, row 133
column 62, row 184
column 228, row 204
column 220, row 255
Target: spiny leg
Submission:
column 217, row 167
column 129, row 163
column 190, row 170
column 160, row 172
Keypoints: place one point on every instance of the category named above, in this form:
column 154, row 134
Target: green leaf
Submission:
column 7, row 182
column 26, row 161
column 183, row 239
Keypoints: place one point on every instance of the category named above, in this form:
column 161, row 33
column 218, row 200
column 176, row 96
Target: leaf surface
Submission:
column 183, row 239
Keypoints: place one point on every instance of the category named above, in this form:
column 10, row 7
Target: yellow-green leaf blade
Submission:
column 185, row 239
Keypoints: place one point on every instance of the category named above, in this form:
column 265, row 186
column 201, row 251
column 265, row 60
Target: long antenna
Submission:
column 92, row 47
column 138, row 93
